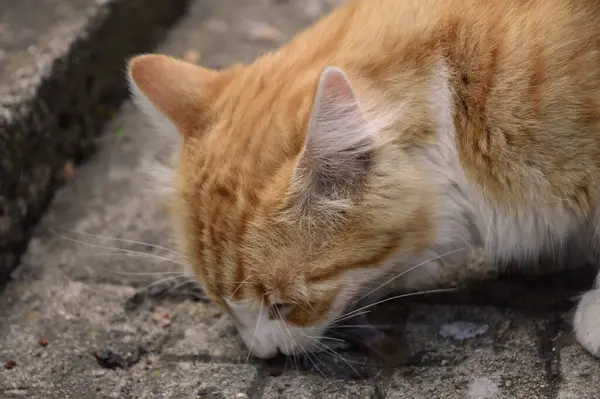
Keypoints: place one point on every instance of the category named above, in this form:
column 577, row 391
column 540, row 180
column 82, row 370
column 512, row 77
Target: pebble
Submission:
column 98, row 373
column 18, row 392
column 106, row 357
column 461, row 330
column 241, row 396
column 10, row 364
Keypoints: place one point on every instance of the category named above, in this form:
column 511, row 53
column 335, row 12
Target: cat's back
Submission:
column 525, row 78
column 528, row 100
column 526, row 83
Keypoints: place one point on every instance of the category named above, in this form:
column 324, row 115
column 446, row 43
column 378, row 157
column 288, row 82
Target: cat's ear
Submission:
column 339, row 145
column 169, row 90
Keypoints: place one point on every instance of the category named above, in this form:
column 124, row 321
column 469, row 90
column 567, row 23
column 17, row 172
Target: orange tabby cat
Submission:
column 387, row 135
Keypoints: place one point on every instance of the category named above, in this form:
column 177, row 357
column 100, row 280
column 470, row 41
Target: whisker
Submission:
column 163, row 280
column 329, row 338
column 281, row 329
column 121, row 250
column 145, row 273
column 286, row 327
column 302, row 350
column 240, row 286
column 307, row 355
column 411, row 269
column 401, row 296
column 125, row 241
column 262, row 301
column 348, row 315
column 133, row 255
column 176, row 287
column 295, row 345
column 362, row 326
column 331, row 351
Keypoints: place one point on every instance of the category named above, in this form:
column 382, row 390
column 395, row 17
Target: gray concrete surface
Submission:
column 61, row 68
column 166, row 341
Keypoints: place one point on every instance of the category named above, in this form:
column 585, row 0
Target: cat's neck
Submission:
column 454, row 221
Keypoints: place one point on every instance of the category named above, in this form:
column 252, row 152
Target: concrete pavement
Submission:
column 78, row 321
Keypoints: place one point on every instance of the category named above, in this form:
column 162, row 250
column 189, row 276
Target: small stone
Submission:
column 461, row 330
column 10, row 364
column 98, row 373
column 18, row 392
column 108, row 358
column 241, row 396
column 261, row 32
column 508, row 383
column 126, row 357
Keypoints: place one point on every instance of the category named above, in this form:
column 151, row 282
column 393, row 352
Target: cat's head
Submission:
column 285, row 205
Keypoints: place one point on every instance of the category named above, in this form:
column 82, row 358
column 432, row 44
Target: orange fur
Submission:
column 525, row 82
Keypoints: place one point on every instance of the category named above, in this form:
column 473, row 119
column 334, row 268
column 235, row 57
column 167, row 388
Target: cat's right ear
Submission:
column 171, row 92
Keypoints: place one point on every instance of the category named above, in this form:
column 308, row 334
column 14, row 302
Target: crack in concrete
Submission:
column 258, row 384
column 382, row 384
column 550, row 345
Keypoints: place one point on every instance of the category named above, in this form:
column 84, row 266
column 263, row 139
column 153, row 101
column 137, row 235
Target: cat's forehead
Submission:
column 263, row 105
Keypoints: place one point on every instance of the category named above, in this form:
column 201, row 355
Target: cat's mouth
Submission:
column 354, row 348
column 369, row 336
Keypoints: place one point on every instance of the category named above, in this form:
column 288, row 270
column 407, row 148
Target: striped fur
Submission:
column 387, row 134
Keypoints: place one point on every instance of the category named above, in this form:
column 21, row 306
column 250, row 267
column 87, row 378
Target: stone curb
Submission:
column 61, row 79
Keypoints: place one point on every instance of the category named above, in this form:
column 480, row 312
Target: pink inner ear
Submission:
column 336, row 87
column 337, row 126
column 336, row 121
